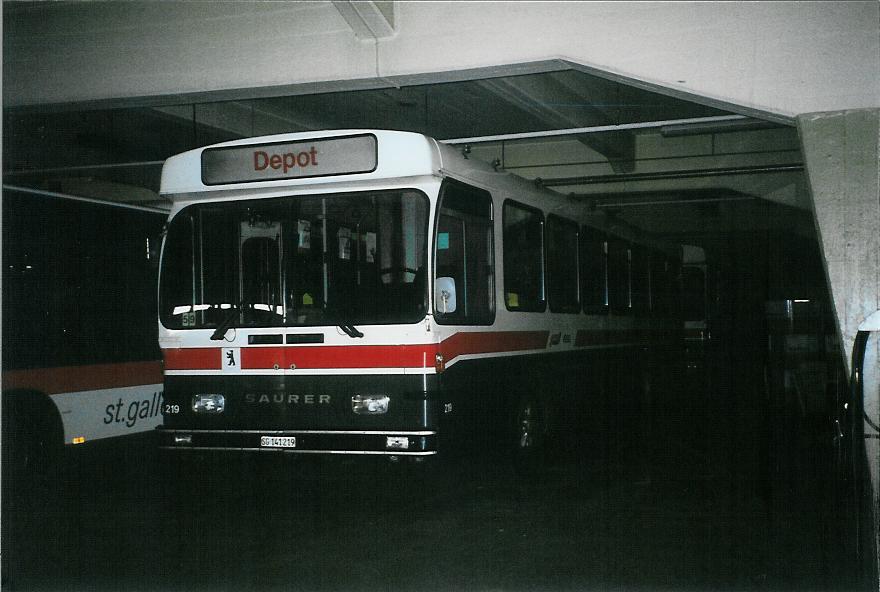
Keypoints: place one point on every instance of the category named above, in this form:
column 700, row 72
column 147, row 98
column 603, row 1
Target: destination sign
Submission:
column 321, row 157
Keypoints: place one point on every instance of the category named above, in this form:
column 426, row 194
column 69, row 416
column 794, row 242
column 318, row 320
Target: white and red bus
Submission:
column 80, row 362
column 372, row 292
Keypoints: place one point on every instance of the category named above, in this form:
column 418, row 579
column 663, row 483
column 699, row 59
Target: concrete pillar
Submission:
column 841, row 156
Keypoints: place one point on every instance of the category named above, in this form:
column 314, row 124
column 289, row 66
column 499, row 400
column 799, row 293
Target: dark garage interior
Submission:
column 731, row 468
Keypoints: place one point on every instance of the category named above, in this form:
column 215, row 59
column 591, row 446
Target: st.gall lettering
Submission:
column 286, row 161
column 139, row 409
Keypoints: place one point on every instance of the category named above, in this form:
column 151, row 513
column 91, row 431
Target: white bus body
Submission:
column 380, row 291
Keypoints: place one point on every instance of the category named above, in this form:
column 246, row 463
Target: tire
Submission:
column 33, row 438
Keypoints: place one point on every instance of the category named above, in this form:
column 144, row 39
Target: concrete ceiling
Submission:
column 772, row 59
column 658, row 178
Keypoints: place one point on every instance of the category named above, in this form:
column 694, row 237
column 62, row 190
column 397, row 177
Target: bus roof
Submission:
column 304, row 158
column 267, row 165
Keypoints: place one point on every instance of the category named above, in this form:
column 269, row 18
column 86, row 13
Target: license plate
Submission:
column 277, row 441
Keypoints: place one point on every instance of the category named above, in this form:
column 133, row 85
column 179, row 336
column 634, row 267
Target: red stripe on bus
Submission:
column 338, row 356
column 479, row 342
column 332, row 356
column 193, row 358
column 71, row 379
column 360, row 356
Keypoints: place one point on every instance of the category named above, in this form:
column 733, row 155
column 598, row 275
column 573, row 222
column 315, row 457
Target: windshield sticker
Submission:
column 344, row 236
column 370, row 247
column 304, row 234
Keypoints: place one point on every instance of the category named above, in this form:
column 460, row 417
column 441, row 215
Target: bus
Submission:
column 80, row 358
column 379, row 293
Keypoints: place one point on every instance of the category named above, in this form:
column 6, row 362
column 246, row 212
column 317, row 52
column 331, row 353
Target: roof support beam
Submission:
column 683, row 174
column 541, row 100
column 577, row 131
column 372, row 19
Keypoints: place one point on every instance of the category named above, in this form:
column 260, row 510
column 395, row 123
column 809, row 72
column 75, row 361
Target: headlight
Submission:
column 212, row 403
column 370, row 404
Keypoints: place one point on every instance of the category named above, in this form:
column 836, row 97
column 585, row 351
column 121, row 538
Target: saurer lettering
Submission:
column 282, row 398
column 286, row 161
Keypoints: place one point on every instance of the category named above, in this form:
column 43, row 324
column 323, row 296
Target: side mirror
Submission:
column 444, row 295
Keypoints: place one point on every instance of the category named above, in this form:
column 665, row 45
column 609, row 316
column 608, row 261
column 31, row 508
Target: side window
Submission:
column 619, row 276
column 562, row 265
column 593, row 249
column 464, row 256
column 661, row 283
column 523, row 258
column 641, row 279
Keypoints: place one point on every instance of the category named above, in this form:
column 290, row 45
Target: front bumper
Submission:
column 329, row 442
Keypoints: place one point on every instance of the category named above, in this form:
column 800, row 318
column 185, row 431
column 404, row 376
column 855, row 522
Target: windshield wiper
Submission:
column 350, row 330
column 220, row 332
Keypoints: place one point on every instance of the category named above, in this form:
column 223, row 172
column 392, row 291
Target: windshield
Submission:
column 347, row 259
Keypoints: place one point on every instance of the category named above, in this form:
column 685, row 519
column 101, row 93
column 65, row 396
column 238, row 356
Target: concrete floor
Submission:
column 684, row 511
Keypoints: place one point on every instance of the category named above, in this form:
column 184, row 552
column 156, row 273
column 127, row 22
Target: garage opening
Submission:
column 728, row 469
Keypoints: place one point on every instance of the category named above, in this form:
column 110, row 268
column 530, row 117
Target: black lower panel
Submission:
column 297, row 403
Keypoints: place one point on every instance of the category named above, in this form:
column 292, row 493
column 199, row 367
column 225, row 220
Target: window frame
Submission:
column 493, row 304
column 542, row 306
column 556, row 223
column 589, row 307
column 619, row 308
column 639, row 278
column 417, row 194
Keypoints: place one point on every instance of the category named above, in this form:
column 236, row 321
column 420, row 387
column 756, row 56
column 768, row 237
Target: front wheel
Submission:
column 32, row 439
